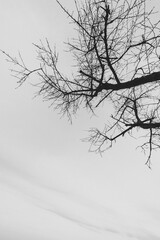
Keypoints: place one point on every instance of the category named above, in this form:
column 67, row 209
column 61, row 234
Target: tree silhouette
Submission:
column 117, row 61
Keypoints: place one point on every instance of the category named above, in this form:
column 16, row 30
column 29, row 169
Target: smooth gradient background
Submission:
column 51, row 187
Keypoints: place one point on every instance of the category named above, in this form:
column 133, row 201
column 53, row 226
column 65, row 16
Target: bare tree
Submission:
column 117, row 61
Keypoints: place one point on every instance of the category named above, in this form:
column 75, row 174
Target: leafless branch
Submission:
column 117, row 55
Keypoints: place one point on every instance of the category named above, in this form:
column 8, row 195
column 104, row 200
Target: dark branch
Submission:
column 117, row 63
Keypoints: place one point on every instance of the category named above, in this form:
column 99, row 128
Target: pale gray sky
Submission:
column 42, row 159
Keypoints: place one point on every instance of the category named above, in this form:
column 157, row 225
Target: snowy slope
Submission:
column 31, row 209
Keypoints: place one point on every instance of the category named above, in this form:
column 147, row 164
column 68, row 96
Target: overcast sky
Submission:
column 43, row 161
